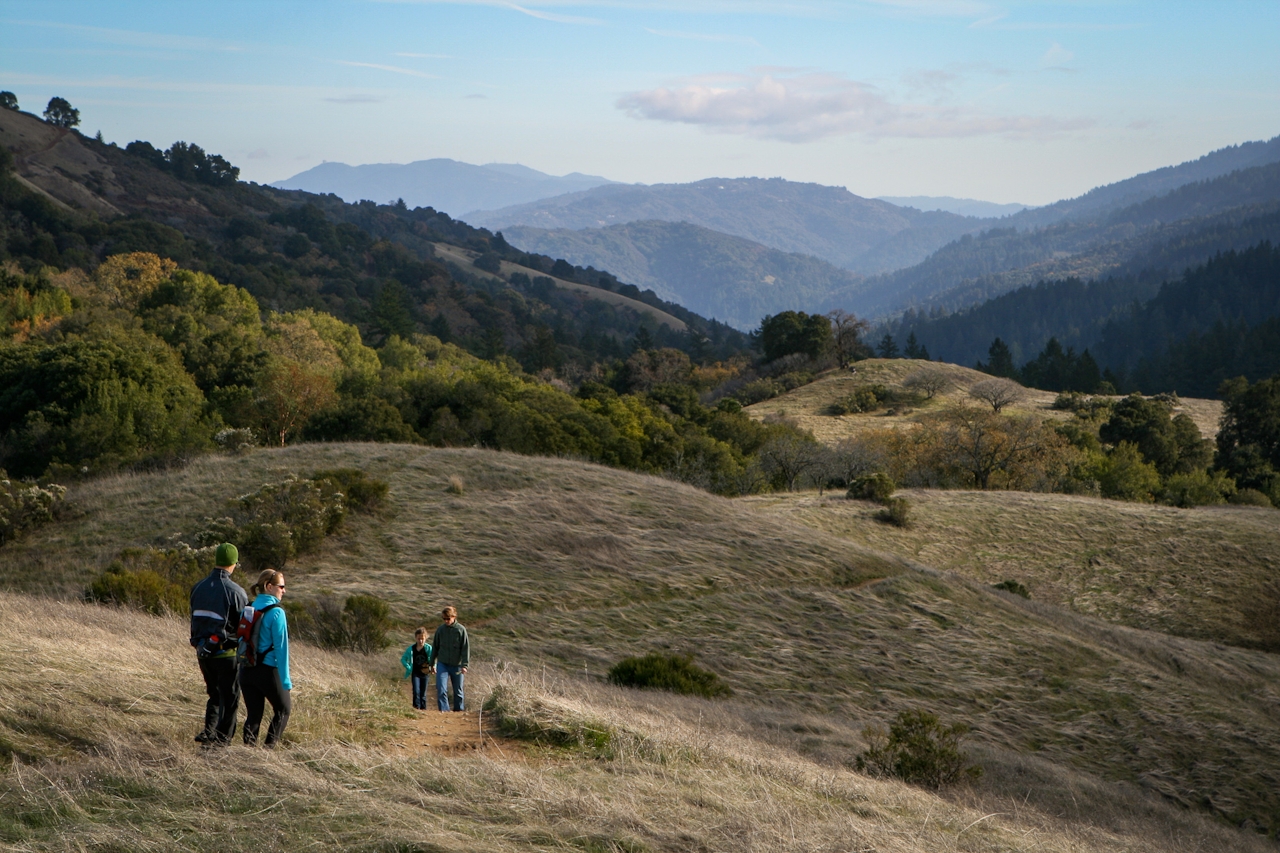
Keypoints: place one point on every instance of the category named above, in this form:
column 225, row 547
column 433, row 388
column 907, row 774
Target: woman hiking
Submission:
column 267, row 680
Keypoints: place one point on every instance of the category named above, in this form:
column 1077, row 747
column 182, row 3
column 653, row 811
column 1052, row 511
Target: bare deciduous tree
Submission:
column 930, row 382
column 997, row 393
column 789, row 457
column 846, row 336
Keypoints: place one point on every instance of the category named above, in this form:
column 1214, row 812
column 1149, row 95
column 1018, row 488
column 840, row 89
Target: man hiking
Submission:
column 216, row 602
column 450, row 654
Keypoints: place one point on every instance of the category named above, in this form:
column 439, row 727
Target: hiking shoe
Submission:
column 203, row 737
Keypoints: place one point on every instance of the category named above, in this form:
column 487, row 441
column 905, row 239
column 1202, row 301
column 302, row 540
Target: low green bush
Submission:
column 291, row 517
column 362, row 493
column 864, row 398
column 358, row 624
column 673, row 672
column 897, row 511
column 1013, row 587
column 25, row 506
column 157, row 580
column 1197, row 488
column 1249, row 497
column 917, row 749
column 878, row 487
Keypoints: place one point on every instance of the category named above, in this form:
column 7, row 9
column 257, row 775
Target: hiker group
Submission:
column 243, row 649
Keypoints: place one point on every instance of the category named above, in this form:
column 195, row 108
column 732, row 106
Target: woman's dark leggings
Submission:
column 258, row 685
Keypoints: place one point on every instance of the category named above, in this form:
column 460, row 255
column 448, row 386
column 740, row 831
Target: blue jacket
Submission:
column 406, row 659
column 274, row 634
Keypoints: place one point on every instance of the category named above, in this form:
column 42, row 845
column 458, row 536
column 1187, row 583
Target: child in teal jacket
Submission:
column 416, row 661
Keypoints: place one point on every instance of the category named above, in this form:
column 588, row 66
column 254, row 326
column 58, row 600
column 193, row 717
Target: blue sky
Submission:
column 1004, row 101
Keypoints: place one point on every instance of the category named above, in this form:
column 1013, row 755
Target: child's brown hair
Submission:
column 419, row 632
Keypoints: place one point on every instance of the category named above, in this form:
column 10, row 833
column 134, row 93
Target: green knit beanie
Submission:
column 227, row 555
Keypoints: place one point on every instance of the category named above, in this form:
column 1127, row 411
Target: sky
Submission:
column 1002, row 101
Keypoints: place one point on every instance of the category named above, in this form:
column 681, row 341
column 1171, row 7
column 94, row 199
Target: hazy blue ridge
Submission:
column 442, row 184
column 959, row 206
column 984, row 265
column 830, row 223
column 1077, row 312
column 1124, row 193
column 734, row 280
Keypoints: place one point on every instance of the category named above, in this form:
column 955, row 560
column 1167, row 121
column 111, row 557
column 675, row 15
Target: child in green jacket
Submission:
column 416, row 662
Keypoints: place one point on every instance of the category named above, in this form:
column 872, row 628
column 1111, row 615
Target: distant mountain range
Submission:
column 446, row 185
column 858, row 234
column 734, row 280
column 961, row 206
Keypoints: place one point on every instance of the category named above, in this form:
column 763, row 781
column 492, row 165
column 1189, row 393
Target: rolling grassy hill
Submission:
column 1093, row 735
column 807, row 405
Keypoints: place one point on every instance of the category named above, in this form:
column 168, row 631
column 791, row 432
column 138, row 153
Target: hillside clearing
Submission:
column 562, row 568
column 807, row 405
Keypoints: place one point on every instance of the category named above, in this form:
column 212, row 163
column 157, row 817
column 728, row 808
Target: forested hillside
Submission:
column 732, row 279
column 206, row 311
column 1185, row 226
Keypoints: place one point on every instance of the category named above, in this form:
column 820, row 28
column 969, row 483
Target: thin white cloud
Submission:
column 355, row 99
column 133, row 38
column 674, row 34
column 394, row 69
column 1056, row 56
column 812, row 106
column 551, row 16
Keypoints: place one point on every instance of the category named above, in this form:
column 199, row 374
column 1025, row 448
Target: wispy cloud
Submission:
column 1000, row 21
column 533, row 10
column 354, row 99
column 133, row 38
column 394, row 69
column 674, row 34
column 814, row 105
column 1056, row 58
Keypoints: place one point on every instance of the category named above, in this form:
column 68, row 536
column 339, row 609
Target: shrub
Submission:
column 237, row 441
column 1249, row 497
column 358, row 624
column 758, row 391
column 1198, row 488
column 917, row 749
column 677, row 673
column 878, row 487
column 1013, row 587
column 896, row 512
column 456, row 486
column 279, row 521
column 157, row 580
column 865, row 398
column 362, row 493
column 25, row 506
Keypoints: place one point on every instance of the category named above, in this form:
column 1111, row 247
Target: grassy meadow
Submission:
column 1093, row 733
column 807, row 405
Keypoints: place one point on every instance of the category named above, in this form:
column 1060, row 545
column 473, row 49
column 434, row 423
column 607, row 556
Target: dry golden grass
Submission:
column 560, row 568
column 807, row 404
column 1190, row 572
column 105, row 763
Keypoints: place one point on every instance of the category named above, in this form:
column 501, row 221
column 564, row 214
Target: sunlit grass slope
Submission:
column 807, row 405
column 564, row 568
column 1190, row 572
column 95, row 737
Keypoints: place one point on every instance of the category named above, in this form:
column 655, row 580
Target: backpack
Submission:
column 247, row 633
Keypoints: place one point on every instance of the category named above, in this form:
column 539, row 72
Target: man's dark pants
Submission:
column 223, row 687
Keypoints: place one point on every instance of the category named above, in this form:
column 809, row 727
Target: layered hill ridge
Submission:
column 858, row 234
column 564, row 567
column 441, row 183
column 729, row 278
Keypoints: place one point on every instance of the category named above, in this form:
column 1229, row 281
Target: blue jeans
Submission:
column 447, row 674
column 420, row 683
